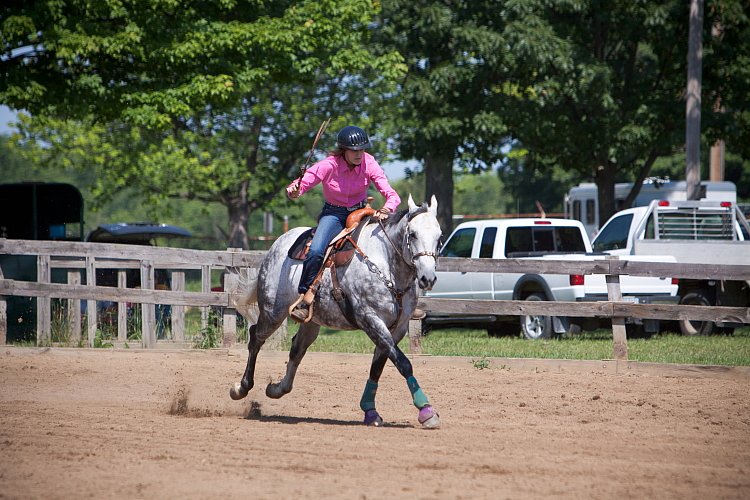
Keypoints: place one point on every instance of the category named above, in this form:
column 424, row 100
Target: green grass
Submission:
column 733, row 350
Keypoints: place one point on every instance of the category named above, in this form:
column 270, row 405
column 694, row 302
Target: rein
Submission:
column 407, row 243
column 389, row 284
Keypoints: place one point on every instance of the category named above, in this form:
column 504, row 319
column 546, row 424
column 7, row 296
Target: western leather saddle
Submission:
column 338, row 253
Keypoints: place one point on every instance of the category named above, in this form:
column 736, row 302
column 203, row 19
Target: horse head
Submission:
column 421, row 241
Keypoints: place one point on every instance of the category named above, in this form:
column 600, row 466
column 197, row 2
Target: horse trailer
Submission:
column 34, row 211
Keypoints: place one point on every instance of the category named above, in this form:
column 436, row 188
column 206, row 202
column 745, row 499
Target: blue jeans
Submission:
column 330, row 223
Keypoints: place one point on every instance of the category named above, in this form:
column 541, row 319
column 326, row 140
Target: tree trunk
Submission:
column 643, row 172
column 438, row 169
column 238, row 209
column 605, row 183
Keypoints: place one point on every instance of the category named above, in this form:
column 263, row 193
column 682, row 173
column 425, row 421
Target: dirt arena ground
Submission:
column 78, row 423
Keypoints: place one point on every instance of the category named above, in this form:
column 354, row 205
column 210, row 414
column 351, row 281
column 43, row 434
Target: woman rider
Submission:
column 345, row 175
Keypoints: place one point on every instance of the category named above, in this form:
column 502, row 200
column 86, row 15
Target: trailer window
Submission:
column 590, row 212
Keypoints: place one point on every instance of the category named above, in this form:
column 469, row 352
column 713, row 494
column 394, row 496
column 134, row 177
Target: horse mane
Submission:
column 394, row 219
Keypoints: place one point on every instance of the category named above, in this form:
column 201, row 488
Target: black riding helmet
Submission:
column 354, row 138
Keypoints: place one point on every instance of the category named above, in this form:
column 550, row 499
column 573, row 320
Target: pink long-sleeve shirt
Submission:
column 346, row 187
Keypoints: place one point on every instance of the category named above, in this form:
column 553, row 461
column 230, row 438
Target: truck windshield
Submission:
column 614, row 235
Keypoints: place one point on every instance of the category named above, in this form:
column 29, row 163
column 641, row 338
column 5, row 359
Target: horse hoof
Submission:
column 274, row 391
column 372, row 419
column 236, row 392
column 429, row 418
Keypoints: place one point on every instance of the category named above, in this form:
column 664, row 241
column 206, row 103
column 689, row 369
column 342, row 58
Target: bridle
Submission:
column 389, row 284
column 407, row 242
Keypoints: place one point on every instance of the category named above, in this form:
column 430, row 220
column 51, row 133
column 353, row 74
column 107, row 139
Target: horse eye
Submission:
column 413, row 234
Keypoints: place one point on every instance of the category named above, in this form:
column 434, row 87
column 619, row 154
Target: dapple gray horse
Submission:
column 380, row 294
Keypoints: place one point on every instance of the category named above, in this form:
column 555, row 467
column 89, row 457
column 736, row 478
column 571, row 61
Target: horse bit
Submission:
column 397, row 294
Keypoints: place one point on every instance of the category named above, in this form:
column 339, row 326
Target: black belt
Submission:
column 361, row 204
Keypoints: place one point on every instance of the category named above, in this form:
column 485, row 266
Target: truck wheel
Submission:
column 425, row 327
column 689, row 327
column 536, row 327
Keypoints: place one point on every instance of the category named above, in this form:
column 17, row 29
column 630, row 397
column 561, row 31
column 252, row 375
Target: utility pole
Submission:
column 716, row 169
column 693, row 107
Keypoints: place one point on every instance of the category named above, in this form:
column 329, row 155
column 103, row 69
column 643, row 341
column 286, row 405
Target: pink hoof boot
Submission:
column 372, row 419
column 429, row 418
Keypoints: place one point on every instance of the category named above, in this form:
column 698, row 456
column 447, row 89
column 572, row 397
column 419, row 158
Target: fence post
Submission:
column 619, row 335
column 43, row 303
column 205, row 288
column 3, row 315
column 229, row 315
column 91, row 304
column 148, row 311
column 415, row 336
column 231, row 283
column 122, row 308
column 74, row 309
column 178, row 312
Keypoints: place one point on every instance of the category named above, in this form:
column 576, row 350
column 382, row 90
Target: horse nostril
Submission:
column 426, row 283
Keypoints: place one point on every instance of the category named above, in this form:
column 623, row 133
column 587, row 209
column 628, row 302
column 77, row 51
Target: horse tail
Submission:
column 247, row 293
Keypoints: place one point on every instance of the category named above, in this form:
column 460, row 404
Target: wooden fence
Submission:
column 86, row 258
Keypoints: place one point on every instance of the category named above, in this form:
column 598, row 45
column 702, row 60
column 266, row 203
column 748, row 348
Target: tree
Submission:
column 726, row 75
column 607, row 99
column 449, row 114
column 212, row 100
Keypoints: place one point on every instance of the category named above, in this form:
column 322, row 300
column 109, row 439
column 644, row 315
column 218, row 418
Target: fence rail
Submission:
column 82, row 260
column 80, row 263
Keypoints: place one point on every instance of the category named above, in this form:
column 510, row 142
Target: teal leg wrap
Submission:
column 419, row 397
column 368, row 396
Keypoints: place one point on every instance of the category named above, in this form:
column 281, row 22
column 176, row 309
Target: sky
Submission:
column 6, row 115
column 393, row 170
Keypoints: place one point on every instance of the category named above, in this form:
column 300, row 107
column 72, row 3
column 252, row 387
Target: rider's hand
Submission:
column 383, row 213
column 292, row 190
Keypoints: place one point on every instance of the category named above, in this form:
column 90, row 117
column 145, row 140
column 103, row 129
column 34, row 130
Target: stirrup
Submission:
column 300, row 311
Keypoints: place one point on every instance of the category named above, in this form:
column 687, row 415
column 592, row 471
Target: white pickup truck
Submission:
column 529, row 238
column 694, row 232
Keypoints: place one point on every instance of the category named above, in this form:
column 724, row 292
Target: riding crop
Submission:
column 321, row 130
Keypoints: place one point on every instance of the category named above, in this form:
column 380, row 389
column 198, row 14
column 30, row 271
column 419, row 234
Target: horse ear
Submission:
column 412, row 205
column 433, row 205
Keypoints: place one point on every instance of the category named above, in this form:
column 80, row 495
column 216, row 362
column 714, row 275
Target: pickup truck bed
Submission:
column 692, row 232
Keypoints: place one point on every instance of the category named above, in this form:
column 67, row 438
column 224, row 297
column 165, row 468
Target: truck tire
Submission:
column 536, row 327
column 691, row 328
